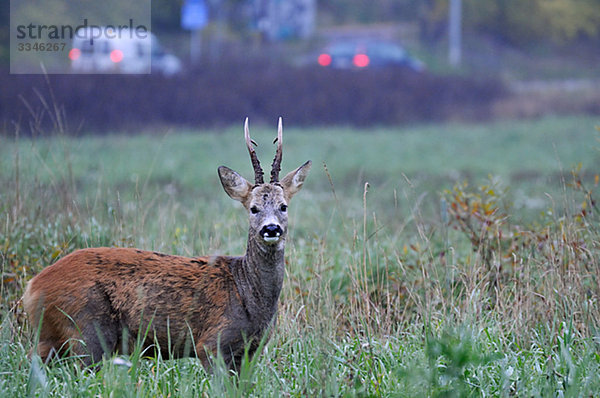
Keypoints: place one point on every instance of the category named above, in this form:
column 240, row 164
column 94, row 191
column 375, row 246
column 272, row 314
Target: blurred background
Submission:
column 350, row 62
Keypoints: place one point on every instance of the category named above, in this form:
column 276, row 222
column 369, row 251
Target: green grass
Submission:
column 408, row 289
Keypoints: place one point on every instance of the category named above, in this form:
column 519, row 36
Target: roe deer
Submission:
column 88, row 301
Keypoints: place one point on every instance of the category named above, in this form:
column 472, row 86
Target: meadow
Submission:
column 434, row 260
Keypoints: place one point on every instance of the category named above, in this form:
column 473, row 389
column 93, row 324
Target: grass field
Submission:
column 469, row 265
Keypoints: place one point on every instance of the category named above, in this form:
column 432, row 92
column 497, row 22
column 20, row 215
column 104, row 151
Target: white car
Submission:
column 108, row 50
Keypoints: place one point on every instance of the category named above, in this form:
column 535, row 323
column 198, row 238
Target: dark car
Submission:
column 367, row 54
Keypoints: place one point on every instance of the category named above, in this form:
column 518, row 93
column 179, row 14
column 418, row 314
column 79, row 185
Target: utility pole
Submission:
column 195, row 46
column 455, row 33
column 194, row 16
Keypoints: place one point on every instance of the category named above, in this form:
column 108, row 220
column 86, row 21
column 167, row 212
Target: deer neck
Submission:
column 260, row 278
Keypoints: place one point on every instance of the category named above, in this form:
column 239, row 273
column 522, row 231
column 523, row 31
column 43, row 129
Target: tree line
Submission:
column 515, row 22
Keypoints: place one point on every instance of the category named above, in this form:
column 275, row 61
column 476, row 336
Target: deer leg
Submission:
column 100, row 338
column 46, row 350
column 99, row 328
column 232, row 347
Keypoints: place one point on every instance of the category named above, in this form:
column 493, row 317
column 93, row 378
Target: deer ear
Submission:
column 293, row 182
column 234, row 184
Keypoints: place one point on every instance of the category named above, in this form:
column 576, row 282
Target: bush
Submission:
column 224, row 94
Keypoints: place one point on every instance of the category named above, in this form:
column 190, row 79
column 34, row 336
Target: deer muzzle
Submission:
column 271, row 233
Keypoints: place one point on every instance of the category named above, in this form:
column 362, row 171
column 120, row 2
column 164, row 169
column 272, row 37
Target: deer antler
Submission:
column 258, row 172
column 276, row 166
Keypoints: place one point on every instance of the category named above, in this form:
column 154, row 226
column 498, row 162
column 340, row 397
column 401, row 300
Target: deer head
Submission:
column 266, row 203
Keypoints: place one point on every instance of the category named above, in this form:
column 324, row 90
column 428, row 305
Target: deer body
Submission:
column 91, row 299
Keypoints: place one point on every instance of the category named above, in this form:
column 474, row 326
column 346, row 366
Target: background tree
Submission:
column 166, row 15
column 4, row 30
column 523, row 22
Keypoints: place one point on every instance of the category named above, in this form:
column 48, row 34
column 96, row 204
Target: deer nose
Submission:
column 271, row 232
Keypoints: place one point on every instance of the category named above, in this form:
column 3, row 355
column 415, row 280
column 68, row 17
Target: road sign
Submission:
column 194, row 15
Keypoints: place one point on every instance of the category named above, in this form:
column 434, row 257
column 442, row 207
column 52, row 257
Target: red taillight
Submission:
column 116, row 56
column 361, row 60
column 324, row 60
column 74, row 54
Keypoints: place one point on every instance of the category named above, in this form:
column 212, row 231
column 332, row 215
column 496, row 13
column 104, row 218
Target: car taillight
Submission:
column 324, row 60
column 74, row 53
column 116, row 56
column 361, row 60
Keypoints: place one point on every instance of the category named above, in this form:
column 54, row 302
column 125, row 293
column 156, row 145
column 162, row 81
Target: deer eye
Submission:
column 283, row 208
column 254, row 210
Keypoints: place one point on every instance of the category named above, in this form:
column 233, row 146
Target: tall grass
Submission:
column 417, row 284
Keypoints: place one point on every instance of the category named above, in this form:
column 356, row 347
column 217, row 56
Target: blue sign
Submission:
column 194, row 15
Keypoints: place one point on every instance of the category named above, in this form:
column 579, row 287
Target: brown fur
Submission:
column 89, row 295
column 101, row 300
